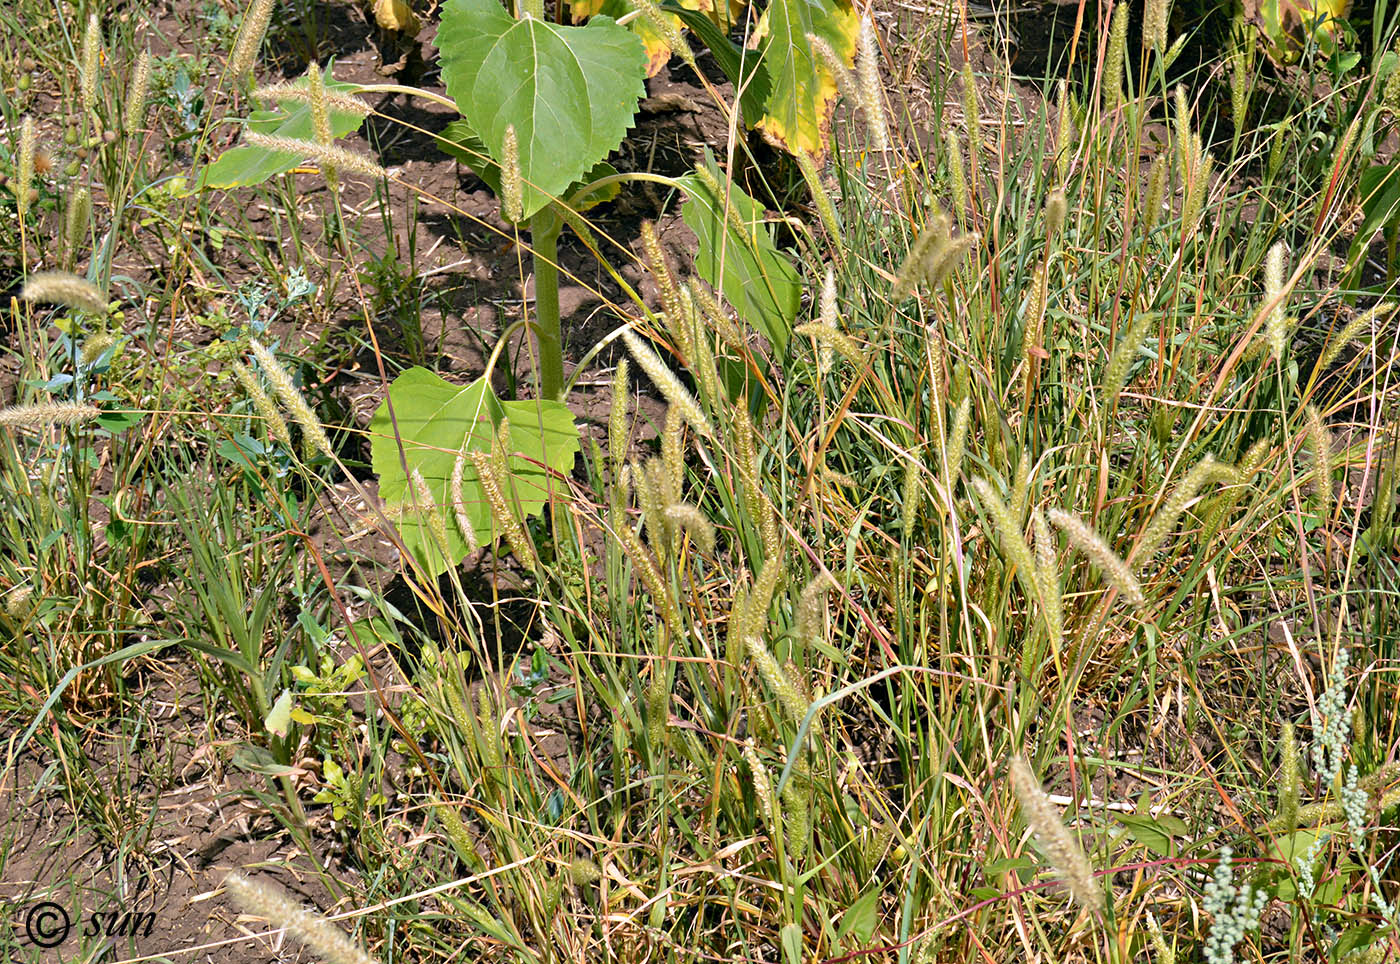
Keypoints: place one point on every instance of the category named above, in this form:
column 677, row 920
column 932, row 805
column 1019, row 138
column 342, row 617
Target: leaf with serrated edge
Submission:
column 803, row 95
column 570, row 92
column 435, row 419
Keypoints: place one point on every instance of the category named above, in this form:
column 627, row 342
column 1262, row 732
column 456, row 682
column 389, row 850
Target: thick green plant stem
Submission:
column 544, row 238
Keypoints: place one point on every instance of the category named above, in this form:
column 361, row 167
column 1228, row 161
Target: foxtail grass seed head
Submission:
column 1320, row 450
column 320, row 113
column 658, row 706
column 718, row 318
column 294, row 93
column 972, row 114
column 650, row 578
column 459, row 505
column 1156, row 16
column 1056, row 210
column 263, row 405
column 493, row 487
column 762, row 783
column 292, row 400
column 667, row 383
column 949, row 257
column 665, row 280
column 821, row 199
column 831, row 342
column 429, row 516
column 690, row 519
column 1181, row 130
column 1008, row 530
column 870, row 90
column 1276, row 324
column 811, row 608
column 1065, row 134
column 1196, row 191
column 790, row 698
column 669, row 28
column 1114, row 58
column 250, row 38
column 1021, row 487
column 318, row 935
column 957, row 443
column 91, row 59
column 673, row 455
column 46, row 414
column 925, row 248
column 76, row 220
column 1125, row 350
column 512, row 180
column 24, row 173
column 93, row 346
column 1156, row 192
column 1351, row 330
column 835, row 66
column 583, row 872
column 1047, row 575
column 1204, row 472
column 913, row 497
column 1115, row 571
column 1060, row 847
column 1290, row 783
column 957, row 176
column 1240, row 86
column 63, row 288
column 328, row 157
column 18, row 601
column 755, row 498
column 618, row 436
column 1033, row 319
column 134, row 115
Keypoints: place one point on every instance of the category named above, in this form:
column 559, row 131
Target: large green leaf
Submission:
column 799, row 105
column 435, row 421
column 461, row 142
column 740, row 259
column 246, row 165
column 569, row 92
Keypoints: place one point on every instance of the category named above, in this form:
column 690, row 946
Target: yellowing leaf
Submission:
column 279, row 718
column 797, row 114
column 397, row 16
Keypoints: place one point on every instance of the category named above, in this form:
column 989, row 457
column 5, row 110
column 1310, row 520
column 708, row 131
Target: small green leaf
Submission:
column 569, row 92
column 279, row 719
column 245, row 165
column 1155, row 833
column 861, row 918
column 757, row 279
column 791, row 936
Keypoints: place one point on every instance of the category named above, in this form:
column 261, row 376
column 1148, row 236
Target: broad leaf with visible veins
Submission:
column 741, row 259
column 570, row 92
column 803, row 92
column 436, row 420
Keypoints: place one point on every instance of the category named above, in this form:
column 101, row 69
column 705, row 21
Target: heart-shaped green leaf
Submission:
column 569, row 92
column 245, row 165
column 436, row 421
